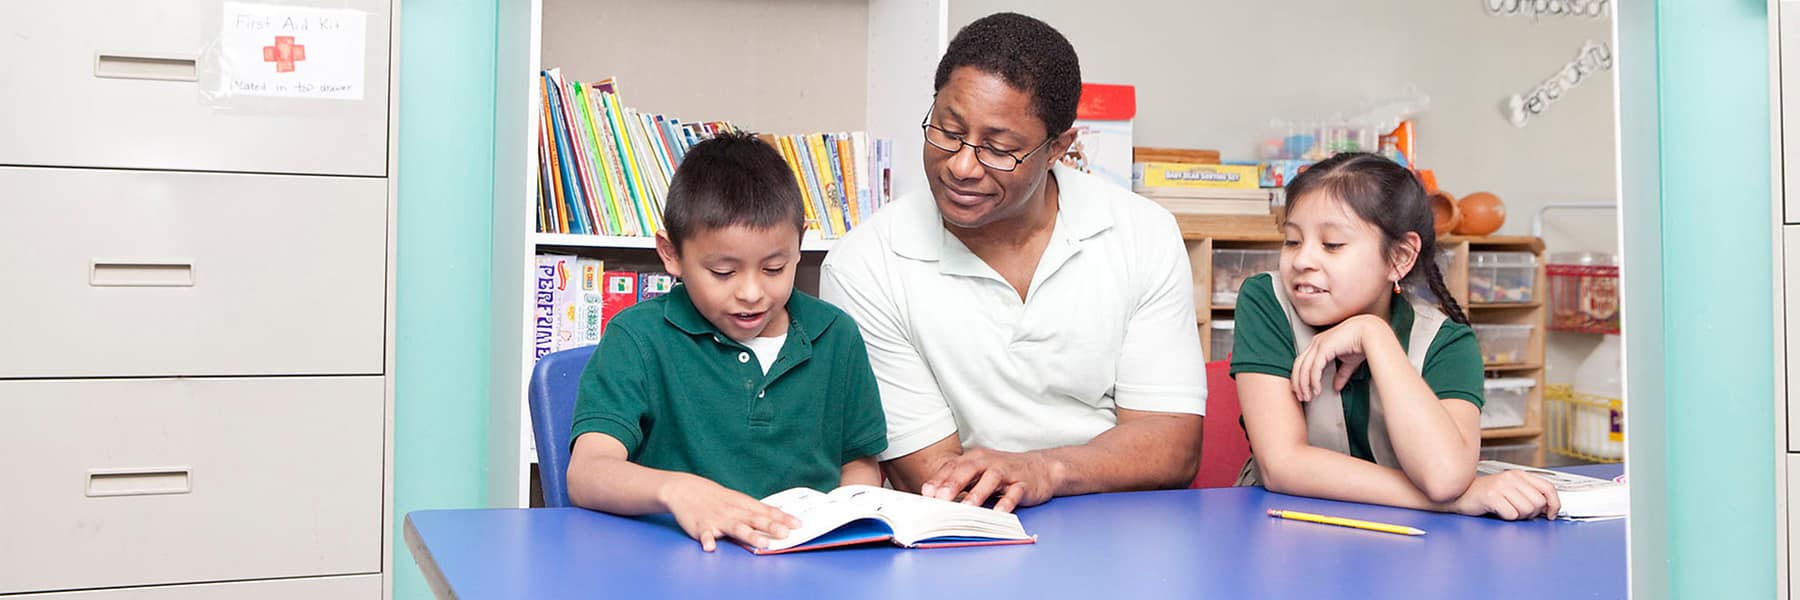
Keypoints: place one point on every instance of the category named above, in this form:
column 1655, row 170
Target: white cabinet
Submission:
column 194, row 314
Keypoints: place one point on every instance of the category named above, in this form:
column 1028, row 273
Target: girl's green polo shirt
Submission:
column 681, row 396
column 1263, row 342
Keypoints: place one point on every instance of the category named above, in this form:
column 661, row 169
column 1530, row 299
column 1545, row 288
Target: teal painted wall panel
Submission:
column 446, row 171
column 1718, row 433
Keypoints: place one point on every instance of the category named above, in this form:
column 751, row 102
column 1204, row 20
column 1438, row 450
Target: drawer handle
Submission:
column 160, row 68
column 138, row 482
column 142, row 274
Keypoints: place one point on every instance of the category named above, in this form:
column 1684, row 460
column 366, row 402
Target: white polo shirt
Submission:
column 1107, row 322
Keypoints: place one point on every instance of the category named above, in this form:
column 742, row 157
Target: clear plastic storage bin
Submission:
column 1445, row 256
column 1231, row 266
column 1518, row 454
column 1502, row 277
column 1221, row 339
column 1502, row 344
column 1505, row 405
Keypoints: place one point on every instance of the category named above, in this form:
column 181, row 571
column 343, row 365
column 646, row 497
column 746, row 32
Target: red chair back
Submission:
column 1223, row 446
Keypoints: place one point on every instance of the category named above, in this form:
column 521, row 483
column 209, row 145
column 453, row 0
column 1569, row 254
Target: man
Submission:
column 1031, row 327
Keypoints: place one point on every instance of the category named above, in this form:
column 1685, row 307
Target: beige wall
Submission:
column 778, row 54
column 1212, row 74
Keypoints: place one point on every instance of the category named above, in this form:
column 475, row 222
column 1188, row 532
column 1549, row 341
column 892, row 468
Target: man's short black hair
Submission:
column 731, row 179
column 1029, row 55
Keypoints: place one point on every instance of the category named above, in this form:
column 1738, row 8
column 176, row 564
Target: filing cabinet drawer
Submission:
column 148, row 481
column 117, row 84
column 122, row 273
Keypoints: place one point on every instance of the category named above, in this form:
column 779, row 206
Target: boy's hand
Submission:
column 1510, row 495
column 708, row 511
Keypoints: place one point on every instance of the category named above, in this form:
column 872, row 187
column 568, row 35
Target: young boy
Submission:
column 732, row 386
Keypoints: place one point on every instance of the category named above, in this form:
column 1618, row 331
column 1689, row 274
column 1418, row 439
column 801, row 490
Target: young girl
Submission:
column 1353, row 389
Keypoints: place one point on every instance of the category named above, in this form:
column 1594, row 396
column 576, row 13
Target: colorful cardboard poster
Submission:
column 280, row 51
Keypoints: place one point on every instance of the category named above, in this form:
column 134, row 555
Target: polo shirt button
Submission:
column 759, row 394
column 743, row 357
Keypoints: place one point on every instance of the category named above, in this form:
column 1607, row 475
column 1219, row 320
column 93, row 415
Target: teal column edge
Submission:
column 442, row 340
column 1717, row 301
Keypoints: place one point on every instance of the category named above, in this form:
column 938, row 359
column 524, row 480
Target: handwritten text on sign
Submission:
column 292, row 52
column 1590, row 60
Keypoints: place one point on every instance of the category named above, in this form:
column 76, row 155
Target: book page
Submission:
column 1583, row 497
column 819, row 514
column 916, row 518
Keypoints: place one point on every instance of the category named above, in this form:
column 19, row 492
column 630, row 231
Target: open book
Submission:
column 857, row 514
column 1583, row 498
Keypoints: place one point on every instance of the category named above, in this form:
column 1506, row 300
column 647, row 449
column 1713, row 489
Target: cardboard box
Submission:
column 1103, row 132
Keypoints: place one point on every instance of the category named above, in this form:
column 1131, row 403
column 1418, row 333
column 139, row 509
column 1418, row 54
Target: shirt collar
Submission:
column 808, row 317
column 1081, row 203
column 1401, row 317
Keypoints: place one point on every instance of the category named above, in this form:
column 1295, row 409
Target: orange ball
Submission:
column 1482, row 214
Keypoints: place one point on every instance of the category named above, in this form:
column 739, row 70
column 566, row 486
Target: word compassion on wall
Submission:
column 1593, row 58
column 1592, row 9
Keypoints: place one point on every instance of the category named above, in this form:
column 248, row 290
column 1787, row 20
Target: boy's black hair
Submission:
column 1389, row 197
column 731, row 179
column 1029, row 55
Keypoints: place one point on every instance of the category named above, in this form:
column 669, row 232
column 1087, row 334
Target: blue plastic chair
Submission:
column 554, row 382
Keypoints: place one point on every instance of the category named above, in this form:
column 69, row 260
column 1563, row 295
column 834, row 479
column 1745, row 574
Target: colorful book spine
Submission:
column 618, row 292
column 633, row 179
column 847, row 175
column 810, row 178
column 646, row 165
column 587, row 159
column 566, row 127
column 567, row 190
column 834, row 213
column 653, row 284
column 549, row 189
column 618, row 199
column 786, row 148
column 859, row 165
column 635, row 176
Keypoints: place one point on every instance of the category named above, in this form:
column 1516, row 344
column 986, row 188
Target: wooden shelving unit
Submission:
column 1205, row 236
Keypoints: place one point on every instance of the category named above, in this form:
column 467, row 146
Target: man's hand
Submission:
column 1019, row 479
column 708, row 511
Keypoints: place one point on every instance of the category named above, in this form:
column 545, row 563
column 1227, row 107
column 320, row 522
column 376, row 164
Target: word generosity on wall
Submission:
column 1593, row 58
column 1592, row 9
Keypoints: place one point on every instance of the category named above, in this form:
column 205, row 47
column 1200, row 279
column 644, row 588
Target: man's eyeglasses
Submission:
column 992, row 158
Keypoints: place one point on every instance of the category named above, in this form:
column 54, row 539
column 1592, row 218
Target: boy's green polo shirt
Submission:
column 1263, row 342
column 681, row 396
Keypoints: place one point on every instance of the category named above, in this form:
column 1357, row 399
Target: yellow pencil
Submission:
column 1343, row 522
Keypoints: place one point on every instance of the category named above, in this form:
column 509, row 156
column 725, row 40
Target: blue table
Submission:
column 1215, row 543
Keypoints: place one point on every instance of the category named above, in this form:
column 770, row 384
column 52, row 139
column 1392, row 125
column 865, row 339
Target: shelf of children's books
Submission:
column 567, row 240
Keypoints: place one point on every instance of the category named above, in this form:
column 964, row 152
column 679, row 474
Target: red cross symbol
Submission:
column 284, row 53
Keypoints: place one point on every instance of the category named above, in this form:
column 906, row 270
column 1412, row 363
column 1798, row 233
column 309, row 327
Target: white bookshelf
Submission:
column 810, row 243
column 740, row 67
